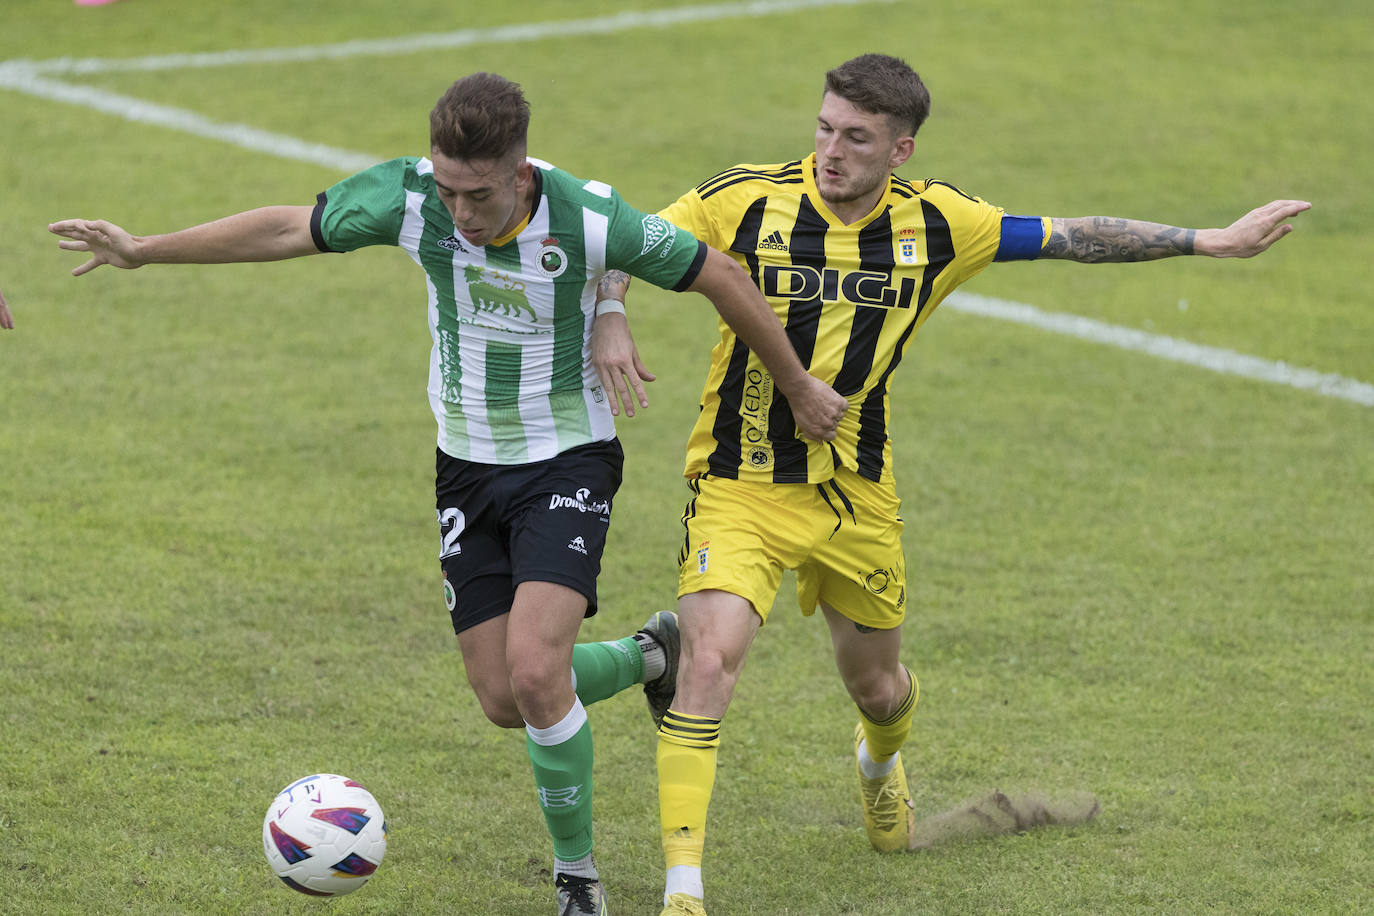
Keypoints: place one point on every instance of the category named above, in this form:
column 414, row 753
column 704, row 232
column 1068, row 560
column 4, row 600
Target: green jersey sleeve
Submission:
column 647, row 246
column 363, row 209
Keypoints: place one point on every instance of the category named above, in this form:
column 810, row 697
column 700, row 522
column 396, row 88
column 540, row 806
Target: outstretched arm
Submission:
column 614, row 354
column 265, row 234
column 6, row 320
column 1097, row 239
column 816, row 407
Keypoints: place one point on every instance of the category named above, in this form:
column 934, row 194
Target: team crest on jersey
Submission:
column 494, row 294
column 656, row 229
column 906, row 246
column 551, row 260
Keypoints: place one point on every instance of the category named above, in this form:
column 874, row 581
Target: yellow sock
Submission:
column 687, row 748
column 885, row 738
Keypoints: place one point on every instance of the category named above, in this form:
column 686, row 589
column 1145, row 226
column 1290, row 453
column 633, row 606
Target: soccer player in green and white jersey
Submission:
column 527, row 462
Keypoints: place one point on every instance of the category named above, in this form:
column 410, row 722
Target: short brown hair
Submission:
column 482, row 116
column 884, row 85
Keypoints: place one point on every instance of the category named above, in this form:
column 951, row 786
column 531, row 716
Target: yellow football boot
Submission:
column 889, row 815
column 683, row 905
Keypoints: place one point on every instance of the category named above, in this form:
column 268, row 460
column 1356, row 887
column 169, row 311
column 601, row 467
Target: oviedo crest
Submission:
column 551, row 260
column 906, row 246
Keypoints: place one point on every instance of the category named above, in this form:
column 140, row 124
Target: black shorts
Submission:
column 501, row 525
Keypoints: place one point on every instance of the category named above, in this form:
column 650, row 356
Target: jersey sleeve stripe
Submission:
column 903, row 188
column 946, row 184
column 690, row 276
column 768, row 178
column 790, row 168
column 316, row 227
column 789, row 174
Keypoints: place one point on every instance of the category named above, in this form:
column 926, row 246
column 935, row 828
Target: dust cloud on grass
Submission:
column 996, row 814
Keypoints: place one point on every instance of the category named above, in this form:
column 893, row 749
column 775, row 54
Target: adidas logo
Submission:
column 578, row 544
column 774, row 242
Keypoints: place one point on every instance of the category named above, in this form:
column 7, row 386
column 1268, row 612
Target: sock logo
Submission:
column 560, row 798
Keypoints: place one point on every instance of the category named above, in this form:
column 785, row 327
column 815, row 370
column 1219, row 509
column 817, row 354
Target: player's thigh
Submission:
column 739, row 536
column 860, row 570
column 542, row 628
column 868, row 661
column 472, row 541
column 560, row 514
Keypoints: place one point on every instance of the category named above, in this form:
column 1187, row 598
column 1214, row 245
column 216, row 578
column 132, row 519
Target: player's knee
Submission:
column 503, row 716
column 879, row 693
column 701, row 668
column 536, row 687
column 499, row 708
column 497, row 701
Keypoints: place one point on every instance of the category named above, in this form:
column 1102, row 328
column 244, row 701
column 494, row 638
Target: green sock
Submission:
column 603, row 669
column 561, row 756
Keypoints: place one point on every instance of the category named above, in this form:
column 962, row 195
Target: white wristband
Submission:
column 606, row 306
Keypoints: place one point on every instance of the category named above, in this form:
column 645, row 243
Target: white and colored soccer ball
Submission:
column 324, row 835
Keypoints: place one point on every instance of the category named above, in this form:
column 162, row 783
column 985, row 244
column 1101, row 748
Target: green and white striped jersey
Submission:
column 510, row 377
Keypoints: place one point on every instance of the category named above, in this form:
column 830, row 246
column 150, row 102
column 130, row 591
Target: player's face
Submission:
column 487, row 198
column 856, row 151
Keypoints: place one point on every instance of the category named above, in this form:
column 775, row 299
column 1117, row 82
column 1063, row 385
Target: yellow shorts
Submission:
column 843, row 537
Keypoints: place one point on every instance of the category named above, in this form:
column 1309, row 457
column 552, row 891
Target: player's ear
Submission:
column 524, row 174
column 901, row 151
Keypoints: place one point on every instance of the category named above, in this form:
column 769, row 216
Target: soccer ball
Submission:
column 324, row 835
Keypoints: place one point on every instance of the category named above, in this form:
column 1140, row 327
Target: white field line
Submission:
column 1216, row 359
column 241, row 135
column 27, row 77
column 599, row 25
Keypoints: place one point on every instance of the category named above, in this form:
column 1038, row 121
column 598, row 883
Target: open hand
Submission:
column 1255, row 231
column 616, row 359
column 106, row 243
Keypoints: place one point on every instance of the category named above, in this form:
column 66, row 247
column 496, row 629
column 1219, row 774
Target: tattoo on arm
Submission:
column 1097, row 239
column 613, row 285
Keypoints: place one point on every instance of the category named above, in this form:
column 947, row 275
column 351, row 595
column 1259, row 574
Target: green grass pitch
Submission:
column 1128, row 576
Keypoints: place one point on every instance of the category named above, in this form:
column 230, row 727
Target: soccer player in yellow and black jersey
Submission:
column 853, row 259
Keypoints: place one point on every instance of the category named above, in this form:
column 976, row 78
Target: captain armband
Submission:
column 1022, row 238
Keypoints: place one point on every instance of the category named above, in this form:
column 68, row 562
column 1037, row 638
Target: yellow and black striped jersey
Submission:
column 850, row 298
